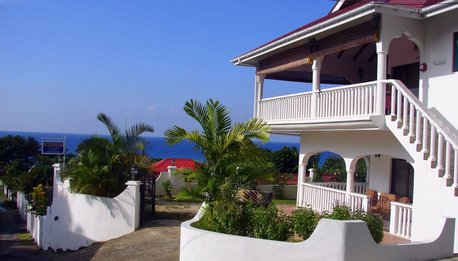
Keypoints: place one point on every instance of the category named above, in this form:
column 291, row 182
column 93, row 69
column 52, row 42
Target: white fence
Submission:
column 78, row 220
column 401, row 219
column 360, row 187
column 323, row 199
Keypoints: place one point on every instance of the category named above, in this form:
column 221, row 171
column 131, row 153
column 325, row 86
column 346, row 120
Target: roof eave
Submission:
column 308, row 32
column 439, row 8
column 248, row 59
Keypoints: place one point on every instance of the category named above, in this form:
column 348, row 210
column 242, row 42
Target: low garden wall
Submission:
column 289, row 192
column 331, row 240
column 78, row 220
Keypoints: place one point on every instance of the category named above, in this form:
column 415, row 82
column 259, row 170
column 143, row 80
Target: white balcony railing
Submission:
column 360, row 187
column 324, row 199
column 288, row 107
column 401, row 219
column 348, row 101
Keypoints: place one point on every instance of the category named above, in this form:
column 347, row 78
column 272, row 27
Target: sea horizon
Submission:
column 156, row 146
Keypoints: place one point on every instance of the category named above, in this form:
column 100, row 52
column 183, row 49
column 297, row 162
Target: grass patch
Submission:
column 24, row 236
column 284, row 202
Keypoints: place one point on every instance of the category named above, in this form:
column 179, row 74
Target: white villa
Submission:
column 394, row 68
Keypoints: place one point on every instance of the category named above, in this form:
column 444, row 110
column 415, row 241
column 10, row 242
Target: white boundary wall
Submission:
column 175, row 179
column 78, row 220
column 331, row 240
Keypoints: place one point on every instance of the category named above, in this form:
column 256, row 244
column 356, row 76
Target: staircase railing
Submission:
column 432, row 137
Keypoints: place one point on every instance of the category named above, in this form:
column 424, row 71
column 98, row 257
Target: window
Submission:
column 455, row 52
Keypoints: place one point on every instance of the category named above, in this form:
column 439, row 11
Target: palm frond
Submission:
column 197, row 111
column 108, row 122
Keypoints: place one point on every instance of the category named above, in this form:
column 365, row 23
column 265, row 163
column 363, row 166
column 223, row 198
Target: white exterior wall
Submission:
column 344, row 240
column 432, row 200
column 380, row 173
column 352, row 144
column 78, row 220
column 442, row 83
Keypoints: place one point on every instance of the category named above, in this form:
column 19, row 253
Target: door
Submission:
column 402, row 179
column 409, row 74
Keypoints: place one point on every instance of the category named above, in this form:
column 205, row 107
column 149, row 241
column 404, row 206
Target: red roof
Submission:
column 161, row 166
column 406, row 3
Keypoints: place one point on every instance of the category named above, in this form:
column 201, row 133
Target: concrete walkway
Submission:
column 157, row 240
column 15, row 242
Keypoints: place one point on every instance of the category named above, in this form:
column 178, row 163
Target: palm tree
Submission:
column 103, row 166
column 130, row 146
column 229, row 151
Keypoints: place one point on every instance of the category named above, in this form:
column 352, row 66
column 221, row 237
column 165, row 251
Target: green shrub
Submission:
column 340, row 213
column 304, row 222
column 226, row 217
column 39, row 201
column 375, row 225
column 269, row 223
column 167, row 185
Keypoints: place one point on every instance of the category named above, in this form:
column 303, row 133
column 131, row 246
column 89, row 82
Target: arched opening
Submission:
column 361, row 170
column 402, row 178
column 404, row 62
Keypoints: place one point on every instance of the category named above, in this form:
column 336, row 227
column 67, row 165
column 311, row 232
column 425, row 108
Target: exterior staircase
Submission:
column 423, row 134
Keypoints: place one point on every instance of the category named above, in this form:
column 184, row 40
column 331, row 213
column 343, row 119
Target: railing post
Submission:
column 394, row 219
column 381, row 75
column 316, row 68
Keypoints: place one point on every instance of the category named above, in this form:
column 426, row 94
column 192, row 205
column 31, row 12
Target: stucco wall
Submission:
column 380, row 173
column 353, row 143
column 331, row 240
column 440, row 80
column 290, row 191
column 78, row 220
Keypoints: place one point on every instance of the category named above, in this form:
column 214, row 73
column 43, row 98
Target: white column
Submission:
column 350, row 165
column 316, row 71
column 381, row 75
column 350, row 181
column 258, row 94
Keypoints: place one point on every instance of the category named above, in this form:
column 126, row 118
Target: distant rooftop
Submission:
column 180, row 163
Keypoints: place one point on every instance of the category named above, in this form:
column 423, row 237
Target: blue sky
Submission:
column 62, row 62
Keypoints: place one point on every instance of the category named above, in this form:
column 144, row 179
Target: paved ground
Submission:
column 15, row 242
column 157, row 240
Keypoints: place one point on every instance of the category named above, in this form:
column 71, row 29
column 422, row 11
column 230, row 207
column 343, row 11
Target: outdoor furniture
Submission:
column 373, row 197
column 405, row 200
column 383, row 206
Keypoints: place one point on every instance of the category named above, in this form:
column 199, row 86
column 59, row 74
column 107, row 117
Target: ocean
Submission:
column 156, row 146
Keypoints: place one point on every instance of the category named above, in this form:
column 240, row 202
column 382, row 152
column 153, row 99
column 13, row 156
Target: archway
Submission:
column 404, row 62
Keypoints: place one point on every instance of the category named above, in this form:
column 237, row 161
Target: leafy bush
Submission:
column 374, row 224
column 167, row 185
column 226, row 217
column 39, row 201
column 269, row 223
column 304, row 222
column 241, row 219
column 340, row 213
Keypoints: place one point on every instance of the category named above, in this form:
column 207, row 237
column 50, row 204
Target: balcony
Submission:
column 348, row 107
